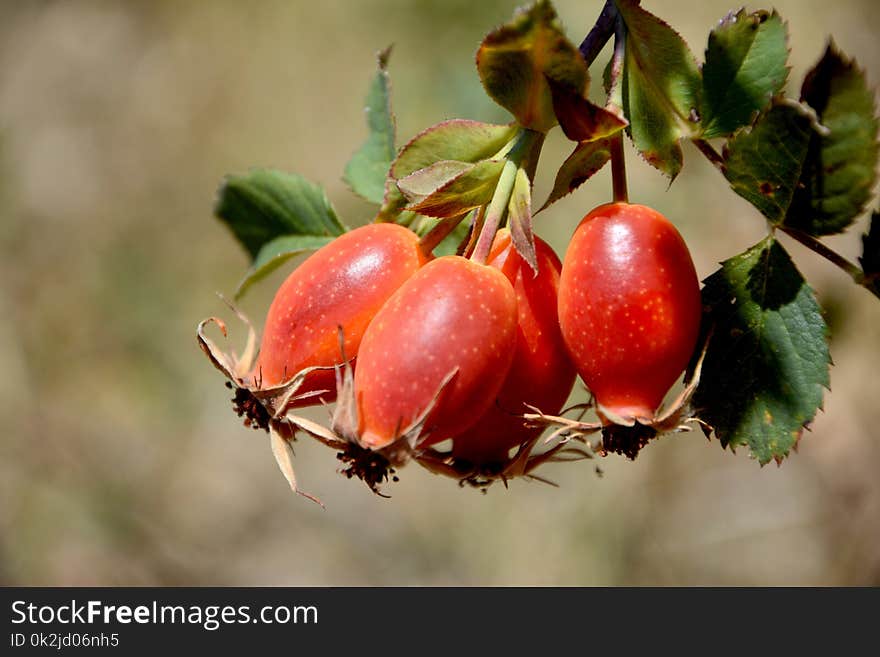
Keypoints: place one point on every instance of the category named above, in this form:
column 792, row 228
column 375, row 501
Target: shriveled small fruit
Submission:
column 434, row 357
column 541, row 374
column 342, row 285
column 629, row 308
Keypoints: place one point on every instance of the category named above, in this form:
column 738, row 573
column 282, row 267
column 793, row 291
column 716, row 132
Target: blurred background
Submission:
column 120, row 459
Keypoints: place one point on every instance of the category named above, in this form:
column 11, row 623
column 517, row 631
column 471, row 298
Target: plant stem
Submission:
column 495, row 212
column 711, row 154
column 852, row 270
column 835, row 258
column 615, row 104
column 592, row 45
column 438, row 233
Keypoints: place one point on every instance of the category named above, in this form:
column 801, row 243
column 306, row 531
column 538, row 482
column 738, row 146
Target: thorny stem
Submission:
column 852, row 270
column 495, row 212
column 615, row 102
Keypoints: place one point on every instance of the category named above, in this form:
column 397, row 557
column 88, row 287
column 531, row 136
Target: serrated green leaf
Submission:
column 265, row 204
column 515, row 60
column 580, row 119
column 459, row 140
column 660, row 87
column 519, row 219
column 840, row 168
column 466, row 191
column 586, row 159
column 275, row 253
column 367, row 169
column 870, row 258
column 767, row 362
column 763, row 164
column 745, row 68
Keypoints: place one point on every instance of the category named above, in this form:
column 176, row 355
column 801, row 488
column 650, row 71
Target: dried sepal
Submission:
column 627, row 435
column 521, row 464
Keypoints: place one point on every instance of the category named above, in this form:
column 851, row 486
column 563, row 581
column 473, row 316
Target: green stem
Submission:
column 438, row 233
column 495, row 212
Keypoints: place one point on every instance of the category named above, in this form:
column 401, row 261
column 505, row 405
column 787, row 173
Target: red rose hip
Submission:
column 629, row 307
column 343, row 284
column 452, row 315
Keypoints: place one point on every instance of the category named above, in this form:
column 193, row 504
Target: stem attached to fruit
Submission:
column 438, row 233
column 615, row 104
column 495, row 212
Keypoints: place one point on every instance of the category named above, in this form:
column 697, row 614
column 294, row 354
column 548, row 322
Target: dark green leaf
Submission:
column 515, row 60
column 870, row 258
column 468, row 190
column 276, row 253
column 588, row 157
column 745, row 68
column 458, row 139
column 367, row 169
column 767, row 362
column 840, row 168
column 265, row 204
column 763, row 164
column 661, row 88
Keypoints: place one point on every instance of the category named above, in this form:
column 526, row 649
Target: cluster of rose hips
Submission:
column 416, row 350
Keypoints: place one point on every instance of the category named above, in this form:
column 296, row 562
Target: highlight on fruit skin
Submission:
column 629, row 308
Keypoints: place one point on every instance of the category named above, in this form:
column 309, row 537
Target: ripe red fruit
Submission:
column 343, row 284
column 452, row 315
column 629, row 307
column 542, row 373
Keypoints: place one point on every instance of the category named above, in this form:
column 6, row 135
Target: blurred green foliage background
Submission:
column 120, row 460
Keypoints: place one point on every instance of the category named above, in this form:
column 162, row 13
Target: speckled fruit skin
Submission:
column 453, row 313
column 342, row 284
column 541, row 374
column 629, row 306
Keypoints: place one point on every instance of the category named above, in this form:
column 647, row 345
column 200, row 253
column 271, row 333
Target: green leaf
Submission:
column 660, row 87
column 460, row 140
column 588, row 157
column 422, row 183
column 767, row 361
column 745, row 68
column 450, row 243
column 515, row 61
column 276, row 253
column 763, row 164
column 580, row 119
column 265, row 204
column 367, row 169
column 870, row 258
column 466, row 191
column 840, row 169
column 519, row 219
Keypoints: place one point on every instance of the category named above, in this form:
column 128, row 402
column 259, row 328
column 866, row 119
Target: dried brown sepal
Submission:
column 628, row 435
column 372, row 466
column 521, row 465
